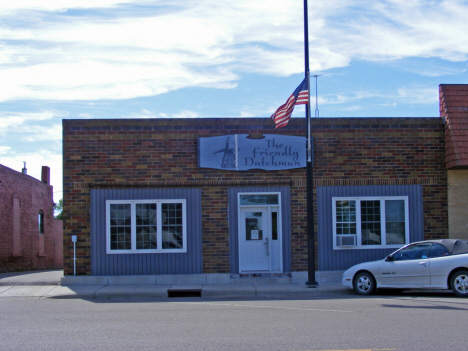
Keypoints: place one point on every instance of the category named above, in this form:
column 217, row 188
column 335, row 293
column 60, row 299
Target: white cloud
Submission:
column 393, row 29
column 56, row 5
column 343, row 98
column 427, row 68
column 32, row 126
column 4, row 149
column 418, row 95
column 403, row 95
column 86, row 115
column 67, row 50
column 247, row 114
column 185, row 114
column 150, row 114
column 11, row 121
column 41, row 133
column 146, row 114
column 129, row 52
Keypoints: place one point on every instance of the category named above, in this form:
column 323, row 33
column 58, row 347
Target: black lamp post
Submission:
column 311, row 282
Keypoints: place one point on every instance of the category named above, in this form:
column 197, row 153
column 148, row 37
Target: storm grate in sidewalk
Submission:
column 184, row 293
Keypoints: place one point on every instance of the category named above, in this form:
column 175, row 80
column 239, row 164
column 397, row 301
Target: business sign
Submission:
column 238, row 152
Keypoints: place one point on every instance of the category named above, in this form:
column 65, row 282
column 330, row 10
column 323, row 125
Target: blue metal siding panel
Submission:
column 145, row 264
column 94, row 227
column 233, row 231
column 286, row 227
column 329, row 259
column 233, row 222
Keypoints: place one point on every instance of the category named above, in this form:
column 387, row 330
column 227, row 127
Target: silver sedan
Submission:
column 431, row 264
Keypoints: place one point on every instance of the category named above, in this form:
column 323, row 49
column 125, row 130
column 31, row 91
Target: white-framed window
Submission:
column 146, row 226
column 370, row 222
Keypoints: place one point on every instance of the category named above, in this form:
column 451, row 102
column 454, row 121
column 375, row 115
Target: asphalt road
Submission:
column 383, row 322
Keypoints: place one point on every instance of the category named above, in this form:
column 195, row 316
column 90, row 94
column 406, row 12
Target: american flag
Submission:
column 299, row 97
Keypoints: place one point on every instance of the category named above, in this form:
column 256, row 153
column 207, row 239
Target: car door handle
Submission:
column 422, row 264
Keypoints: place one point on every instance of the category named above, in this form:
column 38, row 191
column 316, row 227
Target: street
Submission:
column 410, row 321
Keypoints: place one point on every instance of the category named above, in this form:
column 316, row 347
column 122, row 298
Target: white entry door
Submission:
column 254, row 240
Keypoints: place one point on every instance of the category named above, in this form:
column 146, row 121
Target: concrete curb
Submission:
column 145, row 291
column 299, row 278
column 52, row 284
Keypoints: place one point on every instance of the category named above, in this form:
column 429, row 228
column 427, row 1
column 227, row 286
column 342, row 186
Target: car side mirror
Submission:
column 389, row 258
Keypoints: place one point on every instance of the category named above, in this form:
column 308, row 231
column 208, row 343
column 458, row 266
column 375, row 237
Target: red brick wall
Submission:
column 348, row 151
column 33, row 196
column 453, row 102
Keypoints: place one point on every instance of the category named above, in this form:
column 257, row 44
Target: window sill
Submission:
column 369, row 247
column 132, row 252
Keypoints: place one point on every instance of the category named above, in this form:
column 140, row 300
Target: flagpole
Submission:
column 311, row 283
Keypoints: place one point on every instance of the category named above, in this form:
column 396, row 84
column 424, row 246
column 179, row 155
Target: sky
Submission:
column 87, row 59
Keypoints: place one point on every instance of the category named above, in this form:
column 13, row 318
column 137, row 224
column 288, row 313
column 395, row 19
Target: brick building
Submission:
column 454, row 112
column 30, row 237
column 227, row 196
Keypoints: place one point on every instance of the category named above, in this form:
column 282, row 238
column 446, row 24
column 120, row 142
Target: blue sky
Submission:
column 205, row 58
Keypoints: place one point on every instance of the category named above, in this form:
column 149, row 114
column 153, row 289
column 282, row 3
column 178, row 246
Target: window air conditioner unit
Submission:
column 346, row 240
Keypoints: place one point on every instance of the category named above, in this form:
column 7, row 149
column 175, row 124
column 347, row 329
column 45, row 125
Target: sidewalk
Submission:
column 46, row 284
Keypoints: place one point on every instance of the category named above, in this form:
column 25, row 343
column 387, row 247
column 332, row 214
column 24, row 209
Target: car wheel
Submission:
column 364, row 283
column 459, row 283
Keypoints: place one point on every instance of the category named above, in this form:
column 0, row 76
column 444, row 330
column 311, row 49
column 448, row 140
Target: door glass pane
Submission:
column 395, row 221
column 253, row 226
column 370, row 223
column 259, row 199
column 120, row 227
column 146, row 227
column 172, row 226
column 274, row 226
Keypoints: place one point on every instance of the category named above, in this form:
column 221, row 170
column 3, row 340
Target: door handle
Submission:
column 267, row 246
column 422, row 264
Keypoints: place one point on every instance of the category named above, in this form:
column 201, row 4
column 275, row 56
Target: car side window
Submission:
column 439, row 250
column 413, row 252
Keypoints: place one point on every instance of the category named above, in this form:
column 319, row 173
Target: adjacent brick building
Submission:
column 140, row 201
column 30, row 237
column 454, row 111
